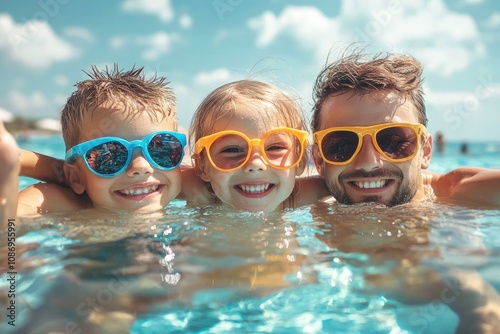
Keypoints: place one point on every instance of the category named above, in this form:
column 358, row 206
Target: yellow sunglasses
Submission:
column 396, row 142
column 228, row 150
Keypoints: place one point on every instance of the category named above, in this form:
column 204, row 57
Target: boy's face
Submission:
column 369, row 177
column 140, row 188
column 255, row 186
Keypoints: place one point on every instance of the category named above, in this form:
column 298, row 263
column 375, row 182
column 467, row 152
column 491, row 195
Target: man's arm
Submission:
column 42, row 167
column 479, row 186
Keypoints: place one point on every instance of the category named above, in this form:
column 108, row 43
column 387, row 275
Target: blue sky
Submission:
column 199, row 45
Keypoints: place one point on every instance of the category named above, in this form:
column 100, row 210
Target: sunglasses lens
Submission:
column 282, row 149
column 339, row 146
column 397, row 142
column 107, row 158
column 229, row 151
column 165, row 150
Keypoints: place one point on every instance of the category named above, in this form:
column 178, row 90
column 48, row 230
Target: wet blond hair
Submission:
column 130, row 90
column 358, row 73
column 278, row 109
column 277, row 106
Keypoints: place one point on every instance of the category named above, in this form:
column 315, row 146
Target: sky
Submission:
column 46, row 45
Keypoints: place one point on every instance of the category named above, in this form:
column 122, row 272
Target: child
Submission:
column 250, row 145
column 103, row 122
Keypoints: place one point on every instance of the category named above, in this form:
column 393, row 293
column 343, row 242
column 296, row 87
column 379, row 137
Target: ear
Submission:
column 73, row 179
column 427, row 152
column 318, row 160
column 199, row 167
column 299, row 169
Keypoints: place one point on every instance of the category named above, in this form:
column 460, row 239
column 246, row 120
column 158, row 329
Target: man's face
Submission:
column 370, row 177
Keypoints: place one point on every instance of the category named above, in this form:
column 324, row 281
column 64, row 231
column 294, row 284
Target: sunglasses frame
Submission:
column 207, row 141
column 81, row 150
column 371, row 130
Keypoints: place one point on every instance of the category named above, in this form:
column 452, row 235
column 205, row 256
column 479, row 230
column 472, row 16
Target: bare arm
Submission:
column 9, row 171
column 42, row 167
column 479, row 186
column 475, row 301
column 50, row 198
column 309, row 190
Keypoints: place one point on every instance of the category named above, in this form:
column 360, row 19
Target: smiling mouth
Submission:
column 371, row 184
column 255, row 189
column 138, row 191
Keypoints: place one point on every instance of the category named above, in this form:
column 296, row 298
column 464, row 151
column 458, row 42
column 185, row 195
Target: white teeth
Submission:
column 255, row 189
column 139, row 191
column 370, row 185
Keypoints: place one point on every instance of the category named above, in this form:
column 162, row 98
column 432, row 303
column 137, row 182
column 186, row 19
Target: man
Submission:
column 371, row 144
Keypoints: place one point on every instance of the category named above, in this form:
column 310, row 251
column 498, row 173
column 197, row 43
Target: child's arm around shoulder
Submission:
column 309, row 190
column 194, row 189
column 50, row 198
column 41, row 167
column 479, row 186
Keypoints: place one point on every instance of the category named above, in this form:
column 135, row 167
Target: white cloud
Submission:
column 185, row 21
column 444, row 40
column 33, row 43
column 494, row 20
column 79, row 33
column 215, row 76
column 61, row 80
column 155, row 45
column 160, row 8
column 33, row 104
column 117, row 42
column 308, row 25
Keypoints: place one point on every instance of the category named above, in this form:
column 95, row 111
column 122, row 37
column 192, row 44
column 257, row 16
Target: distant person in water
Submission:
column 441, row 144
column 464, row 148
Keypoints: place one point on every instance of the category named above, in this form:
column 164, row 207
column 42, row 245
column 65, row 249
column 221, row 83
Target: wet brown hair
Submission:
column 130, row 90
column 357, row 73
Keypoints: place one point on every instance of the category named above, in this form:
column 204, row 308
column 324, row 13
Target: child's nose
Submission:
column 139, row 165
column 255, row 162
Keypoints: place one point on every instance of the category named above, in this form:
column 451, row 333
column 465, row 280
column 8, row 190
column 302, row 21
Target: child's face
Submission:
column 140, row 188
column 255, row 186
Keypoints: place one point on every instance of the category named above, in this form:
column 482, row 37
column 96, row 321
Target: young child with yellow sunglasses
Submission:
column 250, row 146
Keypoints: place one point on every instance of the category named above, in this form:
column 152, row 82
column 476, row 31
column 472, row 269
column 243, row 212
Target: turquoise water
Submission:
column 323, row 268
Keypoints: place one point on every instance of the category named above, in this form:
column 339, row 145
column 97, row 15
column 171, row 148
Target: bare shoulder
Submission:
column 309, row 190
column 50, row 198
column 195, row 190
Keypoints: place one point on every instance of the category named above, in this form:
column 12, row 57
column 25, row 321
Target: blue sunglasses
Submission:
column 110, row 156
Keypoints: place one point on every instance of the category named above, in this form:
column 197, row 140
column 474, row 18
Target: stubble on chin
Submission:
column 403, row 194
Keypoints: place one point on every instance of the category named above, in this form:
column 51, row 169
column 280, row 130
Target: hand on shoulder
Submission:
column 475, row 186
